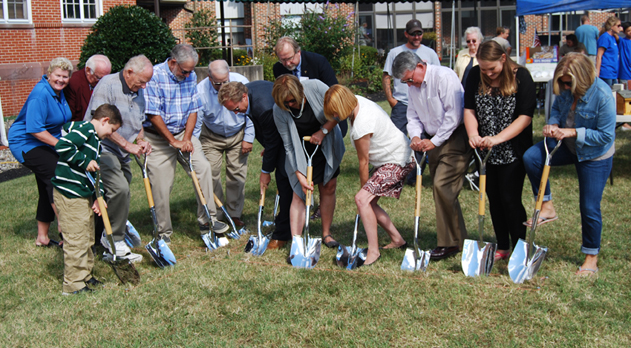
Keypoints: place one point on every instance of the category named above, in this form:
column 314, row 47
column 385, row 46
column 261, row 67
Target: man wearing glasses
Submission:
column 82, row 83
column 435, row 124
column 222, row 132
column 399, row 98
column 171, row 107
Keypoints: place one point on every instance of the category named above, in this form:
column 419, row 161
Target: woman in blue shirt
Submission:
column 34, row 134
column 607, row 60
column 583, row 116
column 624, row 46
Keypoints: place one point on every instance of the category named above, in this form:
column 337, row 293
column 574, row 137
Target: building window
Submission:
column 81, row 11
column 15, row 11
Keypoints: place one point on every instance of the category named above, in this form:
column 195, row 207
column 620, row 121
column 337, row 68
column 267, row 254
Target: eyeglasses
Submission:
column 409, row 80
column 472, row 41
column 184, row 72
column 217, row 83
column 285, row 60
column 566, row 83
column 416, row 33
column 290, row 101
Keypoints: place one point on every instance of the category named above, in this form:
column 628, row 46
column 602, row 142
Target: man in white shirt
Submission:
column 399, row 99
column 224, row 132
column 435, row 124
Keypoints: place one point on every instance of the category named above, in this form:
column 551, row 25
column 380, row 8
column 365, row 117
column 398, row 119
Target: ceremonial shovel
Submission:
column 305, row 251
column 351, row 257
column 527, row 256
column 478, row 256
column 416, row 259
column 257, row 245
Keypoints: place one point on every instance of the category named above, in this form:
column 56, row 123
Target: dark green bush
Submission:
column 201, row 31
column 369, row 55
column 240, row 57
column 126, row 31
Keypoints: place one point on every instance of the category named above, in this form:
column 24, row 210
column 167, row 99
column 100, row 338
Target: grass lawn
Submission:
column 226, row 298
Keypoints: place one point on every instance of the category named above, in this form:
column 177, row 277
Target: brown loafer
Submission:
column 276, row 244
column 238, row 222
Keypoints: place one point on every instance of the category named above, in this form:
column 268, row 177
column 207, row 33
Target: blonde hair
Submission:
column 232, row 91
column 339, row 100
column 580, row 68
column 60, row 63
column 284, row 86
column 610, row 23
column 491, row 51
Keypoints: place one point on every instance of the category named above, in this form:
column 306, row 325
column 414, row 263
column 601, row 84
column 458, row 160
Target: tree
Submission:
column 201, row 31
column 126, row 31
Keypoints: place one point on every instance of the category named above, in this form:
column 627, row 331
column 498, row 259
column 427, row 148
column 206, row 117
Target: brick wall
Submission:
column 26, row 50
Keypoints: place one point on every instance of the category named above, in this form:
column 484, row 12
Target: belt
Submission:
column 151, row 130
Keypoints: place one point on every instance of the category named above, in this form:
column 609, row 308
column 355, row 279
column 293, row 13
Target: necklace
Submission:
column 302, row 107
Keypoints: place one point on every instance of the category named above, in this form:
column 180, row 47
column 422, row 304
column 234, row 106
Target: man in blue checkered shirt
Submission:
column 171, row 106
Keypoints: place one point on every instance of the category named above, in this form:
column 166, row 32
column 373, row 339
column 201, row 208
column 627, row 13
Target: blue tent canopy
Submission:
column 530, row 7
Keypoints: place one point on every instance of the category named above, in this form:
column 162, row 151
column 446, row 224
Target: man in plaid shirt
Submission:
column 171, row 106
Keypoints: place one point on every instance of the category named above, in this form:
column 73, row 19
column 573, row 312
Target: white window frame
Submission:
column 5, row 12
column 82, row 20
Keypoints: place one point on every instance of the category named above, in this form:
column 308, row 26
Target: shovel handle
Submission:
column 106, row 218
column 149, row 193
column 307, row 138
column 198, row 188
column 482, row 196
column 262, row 200
column 217, row 201
column 309, row 180
column 419, row 187
column 542, row 187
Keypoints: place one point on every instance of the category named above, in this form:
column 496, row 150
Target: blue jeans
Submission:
column 592, row 178
column 399, row 117
column 610, row 82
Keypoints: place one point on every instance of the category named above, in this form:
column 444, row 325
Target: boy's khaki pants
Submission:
column 76, row 221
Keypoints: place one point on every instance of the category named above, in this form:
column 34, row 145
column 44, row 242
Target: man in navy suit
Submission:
column 304, row 65
column 256, row 101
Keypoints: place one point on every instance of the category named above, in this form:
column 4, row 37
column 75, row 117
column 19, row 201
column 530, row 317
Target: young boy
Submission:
column 73, row 195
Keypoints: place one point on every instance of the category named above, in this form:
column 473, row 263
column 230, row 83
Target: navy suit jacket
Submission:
column 313, row 66
column 261, row 113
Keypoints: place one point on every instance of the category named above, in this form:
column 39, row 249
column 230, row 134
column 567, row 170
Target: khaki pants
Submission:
column 215, row 146
column 447, row 164
column 116, row 177
column 76, row 221
column 161, row 164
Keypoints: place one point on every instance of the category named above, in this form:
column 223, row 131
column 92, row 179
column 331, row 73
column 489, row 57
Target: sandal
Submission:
column 332, row 243
column 586, row 272
column 501, row 255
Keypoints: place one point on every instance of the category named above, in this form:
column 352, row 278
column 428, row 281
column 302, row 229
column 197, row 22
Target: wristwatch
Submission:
column 324, row 130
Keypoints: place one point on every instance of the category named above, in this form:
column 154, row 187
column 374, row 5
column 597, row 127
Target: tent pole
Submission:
column 549, row 29
column 453, row 33
column 517, row 36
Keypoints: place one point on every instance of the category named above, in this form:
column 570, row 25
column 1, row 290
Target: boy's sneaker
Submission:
column 84, row 290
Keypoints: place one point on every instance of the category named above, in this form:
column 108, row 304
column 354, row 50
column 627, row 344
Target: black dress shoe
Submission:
column 94, row 283
column 80, row 291
column 443, row 252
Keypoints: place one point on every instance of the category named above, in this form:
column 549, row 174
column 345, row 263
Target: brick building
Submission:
column 32, row 32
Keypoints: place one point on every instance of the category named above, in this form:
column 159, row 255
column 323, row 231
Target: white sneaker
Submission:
column 132, row 257
column 121, row 247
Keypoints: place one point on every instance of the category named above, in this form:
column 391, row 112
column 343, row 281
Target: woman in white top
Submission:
column 466, row 58
column 378, row 142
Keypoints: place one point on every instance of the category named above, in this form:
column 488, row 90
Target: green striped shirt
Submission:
column 76, row 149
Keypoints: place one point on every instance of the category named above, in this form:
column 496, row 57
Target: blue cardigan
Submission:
column 42, row 111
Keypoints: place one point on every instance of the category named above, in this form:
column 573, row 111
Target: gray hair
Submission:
column 474, row 30
column 61, row 63
column 286, row 40
column 137, row 64
column 405, row 61
column 96, row 59
column 183, row 53
column 220, row 67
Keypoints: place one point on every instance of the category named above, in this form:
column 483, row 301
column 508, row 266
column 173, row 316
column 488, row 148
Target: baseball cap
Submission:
column 413, row 25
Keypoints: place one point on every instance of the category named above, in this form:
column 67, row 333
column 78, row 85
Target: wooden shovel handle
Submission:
column 198, row 188
column 106, row 218
column 149, row 193
column 309, row 180
column 217, row 201
column 262, row 200
column 542, row 187
column 482, row 198
column 307, row 138
column 419, row 187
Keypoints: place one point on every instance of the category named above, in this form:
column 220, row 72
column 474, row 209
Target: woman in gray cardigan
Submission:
column 299, row 112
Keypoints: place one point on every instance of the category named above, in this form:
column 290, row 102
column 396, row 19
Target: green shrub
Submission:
column 202, row 32
column 240, row 57
column 328, row 33
column 369, row 55
column 126, row 31
column 277, row 29
column 267, row 60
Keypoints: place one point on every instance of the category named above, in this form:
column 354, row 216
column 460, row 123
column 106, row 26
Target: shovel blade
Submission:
column 161, row 253
column 413, row 263
column 213, row 242
column 477, row 257
column 520, row 268
column 132, row 237
column 124, row 270
column 256, row 245
column 301, row 258
column 348, row 259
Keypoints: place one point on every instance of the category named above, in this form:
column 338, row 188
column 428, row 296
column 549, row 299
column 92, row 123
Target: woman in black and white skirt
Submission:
column 378, row 142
